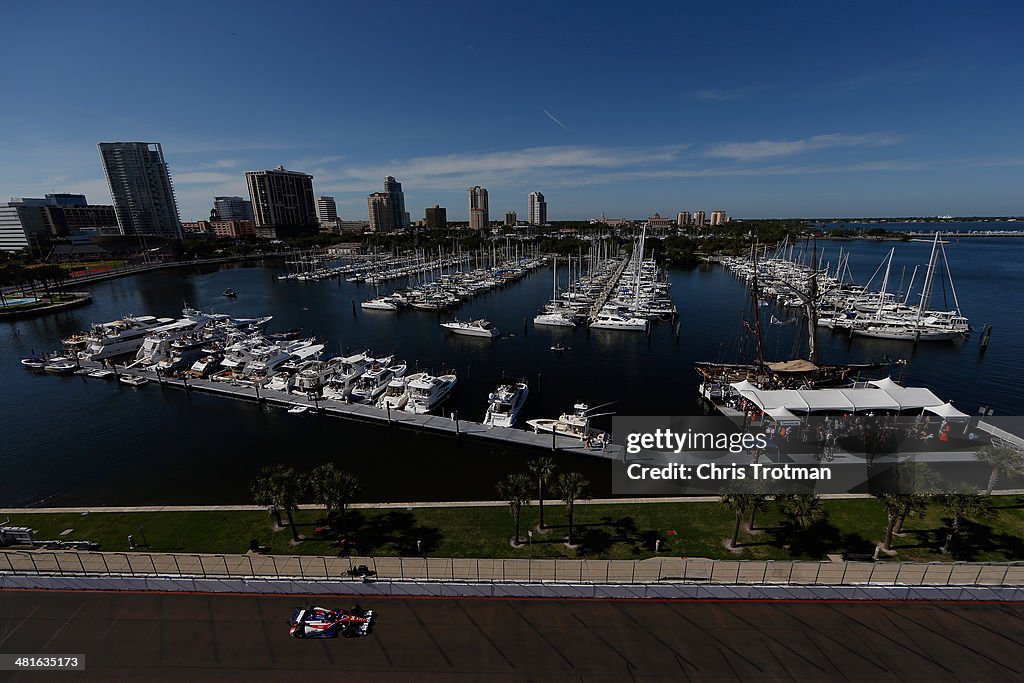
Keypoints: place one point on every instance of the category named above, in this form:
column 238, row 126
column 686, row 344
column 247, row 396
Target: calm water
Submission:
column 68, row 440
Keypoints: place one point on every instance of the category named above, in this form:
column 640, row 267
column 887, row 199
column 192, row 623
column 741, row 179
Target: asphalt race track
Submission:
column 231, row 637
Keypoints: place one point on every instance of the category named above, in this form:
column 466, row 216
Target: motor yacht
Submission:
column 505, row 403
column 428, row 392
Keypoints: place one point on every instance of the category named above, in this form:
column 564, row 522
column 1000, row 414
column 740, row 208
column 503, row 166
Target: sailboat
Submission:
column 555, row 316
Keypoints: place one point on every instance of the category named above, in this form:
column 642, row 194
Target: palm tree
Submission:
column 917, row 483
column 1004, row 461
column 739, row 504
column 964, row 502
column 805, row 509
column 543, row 469
column 279, row 488
column 572, row 487
column 333, row 488
column 515, row 488
column 893, row 504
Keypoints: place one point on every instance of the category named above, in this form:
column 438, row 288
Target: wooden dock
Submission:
column 451, row 426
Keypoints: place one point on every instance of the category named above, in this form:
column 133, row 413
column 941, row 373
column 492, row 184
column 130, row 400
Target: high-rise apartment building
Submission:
column 233, row 209
column 326, row 209
column 141, row 188
column 683, row 218
column 479, row 218
column 282, row 200
column 382, row 218
column 436, row 217
column 538, row 209
column 510, row 218
column 698, row 219
column 719, row 217
column 396, row 198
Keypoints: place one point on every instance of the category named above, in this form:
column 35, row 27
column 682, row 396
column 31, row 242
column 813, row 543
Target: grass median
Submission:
column 626, row 531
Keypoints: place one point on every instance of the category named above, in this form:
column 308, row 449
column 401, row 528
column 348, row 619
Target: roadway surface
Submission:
column 231, row 637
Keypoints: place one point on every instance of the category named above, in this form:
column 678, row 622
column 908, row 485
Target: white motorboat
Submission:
column 375, row 380
column 474, row 328
column 351, row 369
column 575, row 425
column 428, row 392
column 133, row 380
column 64, row 366
column 505, row 403
column 102, row 374
column 614, row 321
column 396, row 395
column 204, row 366
column 34, row 363
column 300, row 409
column 117, row 338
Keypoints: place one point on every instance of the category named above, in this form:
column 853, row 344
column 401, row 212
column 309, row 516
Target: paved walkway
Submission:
column 409, row 505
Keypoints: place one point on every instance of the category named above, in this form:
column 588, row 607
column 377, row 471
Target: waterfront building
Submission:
column 657, row 221
column 538, row 209
column 698, row 219
column 510, row 219
column 282, row 200
column 683, row 219
column 719, row 217
column 378, row 206
column 233, row 209
column 479, row 218
column 196, row 228
column 326, row 209
column 396, row 199
column 141, row 188
column 436, row 217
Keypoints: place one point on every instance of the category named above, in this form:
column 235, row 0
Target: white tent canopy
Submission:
column 948, row 412
column 886, row 395
column 783, row 416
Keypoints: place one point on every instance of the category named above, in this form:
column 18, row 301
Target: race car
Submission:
column 319, row 622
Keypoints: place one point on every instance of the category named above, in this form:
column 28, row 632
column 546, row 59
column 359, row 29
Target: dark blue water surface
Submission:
column 70, row 440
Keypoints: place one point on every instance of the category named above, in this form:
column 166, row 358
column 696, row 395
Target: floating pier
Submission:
column 452, row 426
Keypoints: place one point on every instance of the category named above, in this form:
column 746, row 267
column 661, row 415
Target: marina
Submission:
column 103, row 427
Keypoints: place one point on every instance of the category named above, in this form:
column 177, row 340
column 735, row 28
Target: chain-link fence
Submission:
column 656, row 570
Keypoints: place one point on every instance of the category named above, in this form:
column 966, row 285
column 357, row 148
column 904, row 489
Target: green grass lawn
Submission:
column 603, row 531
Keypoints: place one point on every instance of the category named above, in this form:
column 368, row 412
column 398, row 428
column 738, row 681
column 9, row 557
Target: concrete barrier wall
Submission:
column 596, row 572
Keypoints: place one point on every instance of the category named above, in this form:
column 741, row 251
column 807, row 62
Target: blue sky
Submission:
column 762, row 109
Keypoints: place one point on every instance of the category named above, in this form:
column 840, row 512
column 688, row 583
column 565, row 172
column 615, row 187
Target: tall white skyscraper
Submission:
column 538, row 214
column 719, row 217
column 379, row 209
column 141, row 188
column 326, row 209
column 479, row 217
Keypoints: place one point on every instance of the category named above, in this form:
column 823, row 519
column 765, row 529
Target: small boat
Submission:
column 230, row 293
column 300, row 409
column 380, row 304
column 34, row 362
column 558, row 346
column 101, row 374
column 61, row 367
column 575, row 424
column 474, row 328
column 134, row 380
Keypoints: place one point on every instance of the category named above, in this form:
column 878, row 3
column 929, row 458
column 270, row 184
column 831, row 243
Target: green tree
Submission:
column 1004, row 461
column 279, row 488
column 543, row 469
column 964, row 502
column 804, row 509
column 333, row 488
column 917, row 483
column 515, row 489
column 739, row 505
column 572, row 487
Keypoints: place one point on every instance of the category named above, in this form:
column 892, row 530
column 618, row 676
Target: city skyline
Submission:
column 895, row 123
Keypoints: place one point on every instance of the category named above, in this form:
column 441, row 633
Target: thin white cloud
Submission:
column 553, row 118
column 729, row 94
column 766, row 149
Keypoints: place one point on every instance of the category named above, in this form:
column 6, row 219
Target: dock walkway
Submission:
column 602, row 298
column 452, row 425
